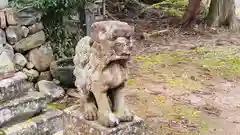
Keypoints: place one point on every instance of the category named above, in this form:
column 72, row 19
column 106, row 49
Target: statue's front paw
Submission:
column 90, row 112
column 108, row 119
column 124, row 115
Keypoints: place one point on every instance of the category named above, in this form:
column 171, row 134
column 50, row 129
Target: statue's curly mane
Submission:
column 83, row 69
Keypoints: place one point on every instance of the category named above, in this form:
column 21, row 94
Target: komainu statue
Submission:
column 101, row 72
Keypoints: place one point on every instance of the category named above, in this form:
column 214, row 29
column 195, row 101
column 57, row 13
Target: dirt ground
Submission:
column 185, row 82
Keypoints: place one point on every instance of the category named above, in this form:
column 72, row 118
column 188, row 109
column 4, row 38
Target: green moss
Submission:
column 56, row 106
column 130, row 82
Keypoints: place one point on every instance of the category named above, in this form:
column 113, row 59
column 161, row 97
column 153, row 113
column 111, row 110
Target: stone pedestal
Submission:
column 75, row 124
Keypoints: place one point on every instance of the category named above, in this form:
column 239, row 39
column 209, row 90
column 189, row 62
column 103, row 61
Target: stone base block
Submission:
column 47, row 123
column 21, row 108
column 13, row 87
column 75, row 124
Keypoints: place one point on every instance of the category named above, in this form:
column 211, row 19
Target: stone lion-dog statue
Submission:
column 101, row 72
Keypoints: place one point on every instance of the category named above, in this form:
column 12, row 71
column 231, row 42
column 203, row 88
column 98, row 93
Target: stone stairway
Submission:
column 24, row 111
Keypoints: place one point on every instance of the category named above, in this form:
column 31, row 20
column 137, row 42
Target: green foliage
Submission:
column 55, row 13
column 172, row 7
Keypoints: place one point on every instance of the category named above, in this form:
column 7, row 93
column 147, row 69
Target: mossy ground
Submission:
column 180, row 71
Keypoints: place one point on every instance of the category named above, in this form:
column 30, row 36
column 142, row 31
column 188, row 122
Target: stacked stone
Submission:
column 23, row 56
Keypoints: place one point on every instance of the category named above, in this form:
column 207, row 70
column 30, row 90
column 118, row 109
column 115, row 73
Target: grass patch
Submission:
column 185, row 120
column 183, row 69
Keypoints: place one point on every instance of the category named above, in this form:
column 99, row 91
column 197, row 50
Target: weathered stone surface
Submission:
column 2, row 37
column 14, row 34
column 30, row 65
column 50, row 89
column 25, row 31
column 13, row 87
column 20, row 61
column 31, row 42
column 28, row 16
column 3, row 23
column 41, row 57
column 6, row 64
column 9, row 50
column 75, row 124
column 109, row 30
column 1, row 48
column 48, row 123
column 32, row 74
column 45, row 76
column 22, row 108
column 3, row 4
column 59, row 133
column 35, row 28
column 11, row 16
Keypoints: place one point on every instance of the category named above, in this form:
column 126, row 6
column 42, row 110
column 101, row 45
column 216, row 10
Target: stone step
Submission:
column 13, row 87
column 22, row 108
column 47, row 123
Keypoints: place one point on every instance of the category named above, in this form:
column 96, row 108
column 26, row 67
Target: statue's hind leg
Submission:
column 90, row 108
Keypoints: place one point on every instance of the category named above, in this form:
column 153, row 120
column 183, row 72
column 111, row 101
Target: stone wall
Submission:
column 23, row 44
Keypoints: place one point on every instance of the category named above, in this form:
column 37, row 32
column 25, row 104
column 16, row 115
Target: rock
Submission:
column 9, row 50
column 20, row 61
column 31, row 42
column 25, row 31
column 30, row 65
column 28, row 16
column 47, row 123
column 14, row 34
column 11, row 16
column 13, row 87
column 41, row 57
column 45, row 76
column 6, row 64
column 35, row 28
column 2, row 37
column 22, row 108
column 3, row 23
column 3, row 4
column 50, row 89
column 31, row 74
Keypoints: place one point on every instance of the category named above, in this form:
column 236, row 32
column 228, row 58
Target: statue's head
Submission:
column 113, row 39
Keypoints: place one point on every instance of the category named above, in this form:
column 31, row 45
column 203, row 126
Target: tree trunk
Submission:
column 190, row 16
column 222, row 13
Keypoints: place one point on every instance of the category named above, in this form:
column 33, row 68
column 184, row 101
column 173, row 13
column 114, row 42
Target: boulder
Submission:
column 41, row 57
column 3, row 23
column 28, row 16
column 50, row 89
column 31, row 42
column 31, row 74
column 45, row 76
column 3, row 4
column 30, row 65
column 35, row 28
column 20, row 61
column 11, row 16
column 6, row 64
column 9, row 50
column 25, row 31
column 2, row 37
column 14, row 34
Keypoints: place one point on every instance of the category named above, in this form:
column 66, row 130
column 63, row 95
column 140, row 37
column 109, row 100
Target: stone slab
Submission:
column 48, row 123
column 13, row 87
column 75, row 124
column 22, row 108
